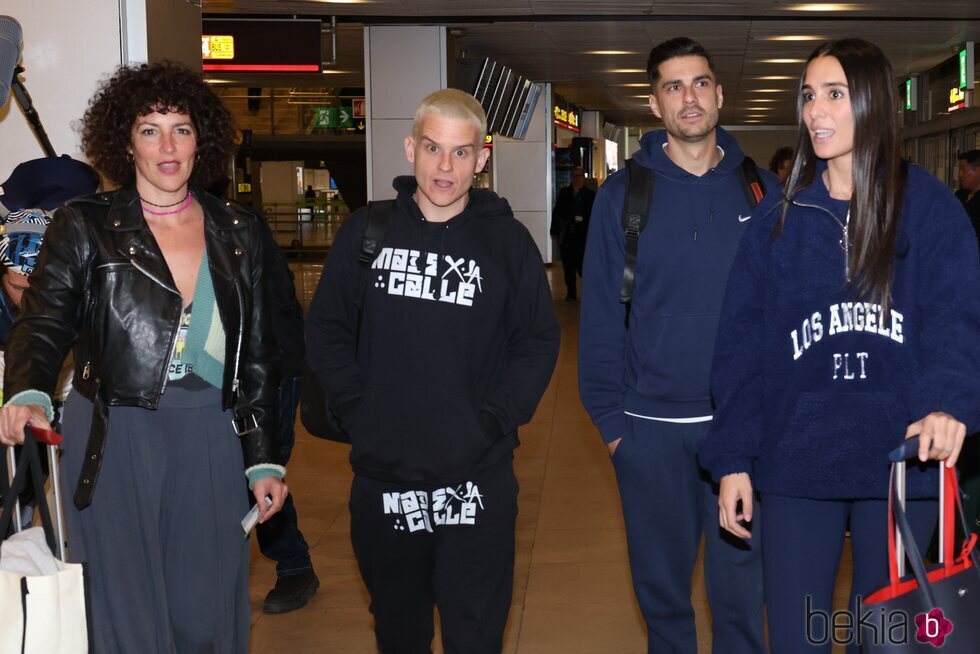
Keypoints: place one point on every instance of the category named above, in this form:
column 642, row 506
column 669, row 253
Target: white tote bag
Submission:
column 42, row 599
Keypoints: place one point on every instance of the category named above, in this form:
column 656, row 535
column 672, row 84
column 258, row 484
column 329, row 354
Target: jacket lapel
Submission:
column 134, row 240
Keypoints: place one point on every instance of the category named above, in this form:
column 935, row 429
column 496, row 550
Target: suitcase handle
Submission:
column 907, row 450
column 46, row 436
column 31, row 461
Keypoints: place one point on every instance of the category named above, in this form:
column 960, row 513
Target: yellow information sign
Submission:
column 217, row 47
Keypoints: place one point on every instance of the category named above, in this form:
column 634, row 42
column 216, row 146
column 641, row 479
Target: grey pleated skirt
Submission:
column 168, row 561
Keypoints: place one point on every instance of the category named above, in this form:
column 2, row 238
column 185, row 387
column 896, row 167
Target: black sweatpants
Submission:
column 450, row 547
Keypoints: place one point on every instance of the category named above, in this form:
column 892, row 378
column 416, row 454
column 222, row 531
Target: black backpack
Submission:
column 314, row 409
column 636, row 212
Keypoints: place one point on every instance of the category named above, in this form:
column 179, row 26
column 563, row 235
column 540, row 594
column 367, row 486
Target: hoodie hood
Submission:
column 481, row 203
column 651, row 155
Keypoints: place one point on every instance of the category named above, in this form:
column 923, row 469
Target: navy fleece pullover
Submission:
column 659, row 367
column 814, row 386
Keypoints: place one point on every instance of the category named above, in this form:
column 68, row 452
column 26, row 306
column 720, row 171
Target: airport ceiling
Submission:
column 566, row 42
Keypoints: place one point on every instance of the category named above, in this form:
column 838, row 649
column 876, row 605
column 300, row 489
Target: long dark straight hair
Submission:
column 877, row 169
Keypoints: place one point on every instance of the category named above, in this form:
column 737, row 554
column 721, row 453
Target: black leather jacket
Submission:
column 103, row 286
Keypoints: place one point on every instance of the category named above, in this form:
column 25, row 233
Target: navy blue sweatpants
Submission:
column 803, row 540
column 668, row 501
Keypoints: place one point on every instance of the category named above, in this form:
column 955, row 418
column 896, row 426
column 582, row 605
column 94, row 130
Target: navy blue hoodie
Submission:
column 660, row 366
column 814, row 386
column 457, row 342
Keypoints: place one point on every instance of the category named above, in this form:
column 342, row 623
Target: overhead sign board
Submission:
column 957, row 99
column 567, row 115
column 261, row 45
column 217, row 47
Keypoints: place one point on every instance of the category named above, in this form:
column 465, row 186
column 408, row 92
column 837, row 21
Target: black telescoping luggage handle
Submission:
column 907, row 450
column 30, row 460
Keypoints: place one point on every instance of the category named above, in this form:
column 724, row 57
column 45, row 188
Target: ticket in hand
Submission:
column 252, row 517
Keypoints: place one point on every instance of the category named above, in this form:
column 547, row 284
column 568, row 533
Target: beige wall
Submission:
column 68, row 47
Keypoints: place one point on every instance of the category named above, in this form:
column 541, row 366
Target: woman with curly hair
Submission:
column 158, row 289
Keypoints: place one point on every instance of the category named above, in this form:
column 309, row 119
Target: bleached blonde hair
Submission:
column 452, row 103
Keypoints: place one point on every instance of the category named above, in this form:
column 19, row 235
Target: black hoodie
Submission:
column 458, row 339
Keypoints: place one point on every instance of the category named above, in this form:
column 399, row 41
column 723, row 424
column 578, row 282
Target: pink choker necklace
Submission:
column 186, row 202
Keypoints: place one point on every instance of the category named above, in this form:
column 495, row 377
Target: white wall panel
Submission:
column 536, row 223
column 522, row 174
column 402, row 65
column 407, row 64
column 388, row 155
column 68, row 47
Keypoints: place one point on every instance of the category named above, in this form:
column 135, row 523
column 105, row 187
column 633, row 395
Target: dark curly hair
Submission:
column 136, row 91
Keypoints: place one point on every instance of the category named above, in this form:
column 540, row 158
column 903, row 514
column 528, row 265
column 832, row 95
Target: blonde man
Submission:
column 430, row 360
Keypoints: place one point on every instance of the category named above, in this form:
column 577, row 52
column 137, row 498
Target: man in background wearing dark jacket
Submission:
column 570, row 225
column 968, row 172
column 280, row 538
column 646, row 387
column 430, row 360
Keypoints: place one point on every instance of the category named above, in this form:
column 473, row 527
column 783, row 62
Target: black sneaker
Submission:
column 291, row 593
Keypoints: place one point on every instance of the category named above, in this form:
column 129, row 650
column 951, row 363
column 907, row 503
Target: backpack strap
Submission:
column 378, row 216
column 754, row 187
column 636, row 212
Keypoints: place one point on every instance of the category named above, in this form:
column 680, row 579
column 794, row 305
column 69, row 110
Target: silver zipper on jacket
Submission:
column 241, row 332
column 845, row 243
column 147, row 273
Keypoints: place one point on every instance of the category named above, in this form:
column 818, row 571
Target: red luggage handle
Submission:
column 47, row 436
column 951, row 504
column 951, row 509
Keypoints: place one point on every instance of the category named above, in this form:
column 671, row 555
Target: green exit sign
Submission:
column 966, row 63
column 963, row 68
column 911, row 94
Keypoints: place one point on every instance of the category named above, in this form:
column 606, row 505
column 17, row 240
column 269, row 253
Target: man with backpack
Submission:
column 664, row 233
column 434, row 337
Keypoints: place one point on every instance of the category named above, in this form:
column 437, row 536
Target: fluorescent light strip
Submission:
column 825, row 6
column 781, row 61
column 792, row 37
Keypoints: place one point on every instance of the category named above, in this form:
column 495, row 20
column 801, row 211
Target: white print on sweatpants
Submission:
column 450, row 506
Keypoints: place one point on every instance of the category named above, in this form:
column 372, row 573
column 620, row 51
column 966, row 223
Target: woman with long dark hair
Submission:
column 851, row 321
column 158, row 288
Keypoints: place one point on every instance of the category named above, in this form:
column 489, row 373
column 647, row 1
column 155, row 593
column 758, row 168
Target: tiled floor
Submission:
column 572, row 590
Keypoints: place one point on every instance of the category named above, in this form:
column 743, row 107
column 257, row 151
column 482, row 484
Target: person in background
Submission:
column 570, row 225
column 645, row 384
column 159, row 290
column 280, row 538
column 782, row 160
column 851, row 321
column 968, row 172
column 430, row 364
column 27, row 200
